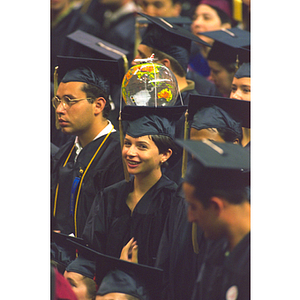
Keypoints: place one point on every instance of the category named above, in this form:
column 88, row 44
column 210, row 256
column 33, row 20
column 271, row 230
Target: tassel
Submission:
column 184, row 153
column 55, row 78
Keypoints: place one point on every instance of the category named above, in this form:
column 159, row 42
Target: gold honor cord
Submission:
column 80, row 184
column 57, row 186
column 76, row 203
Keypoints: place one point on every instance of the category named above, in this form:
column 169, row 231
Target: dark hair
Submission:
column 233, row 196
column 94, row 92
column 228, row 135
column 222, row 15
column 229, row 67
column 176, row 67
column 163, row 143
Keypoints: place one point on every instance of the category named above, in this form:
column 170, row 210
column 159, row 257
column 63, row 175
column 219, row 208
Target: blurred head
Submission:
column 161, row 8
column 209, row 18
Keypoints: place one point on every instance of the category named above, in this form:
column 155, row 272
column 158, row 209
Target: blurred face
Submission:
column 77, row 284
column 221, row 77
column 160, row 8
column 241, row 88
column 205, row 218
column 112, row 296
column 58, row 5
column 211, row 134
column 206, row 19
column 141, row 155
column 78, row 118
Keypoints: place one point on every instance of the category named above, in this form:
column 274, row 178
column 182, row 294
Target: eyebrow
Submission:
column 143, row 55
column 71, row 281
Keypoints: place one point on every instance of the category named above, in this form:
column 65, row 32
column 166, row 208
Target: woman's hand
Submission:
column 130, row 251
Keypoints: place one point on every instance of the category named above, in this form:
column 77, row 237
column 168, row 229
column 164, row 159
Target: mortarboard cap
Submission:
column 233, row 37
column 228, row 44
column 98, row 72
column 172, row 20
column 239, row 110
column 216, row 117
column 146, row 120
column 144, row 279
column 170, row 39
column 217, row 165
column 102, row 49
column 243, row 71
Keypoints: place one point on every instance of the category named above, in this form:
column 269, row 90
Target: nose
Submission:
column 236, row 95
column 150, row 10
column 130, row 151
column 60, row 108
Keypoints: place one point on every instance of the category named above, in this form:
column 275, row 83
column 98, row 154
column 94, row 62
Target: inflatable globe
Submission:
column 149, row 84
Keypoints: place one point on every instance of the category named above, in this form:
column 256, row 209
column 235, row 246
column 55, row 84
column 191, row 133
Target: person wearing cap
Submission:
column 210, row 15
column 181, row 252
column 171, row 46
column 137, row 208
column 92, row 160
column 241, row 89
column 241, row 83
column 216, row 188
column 66, row 18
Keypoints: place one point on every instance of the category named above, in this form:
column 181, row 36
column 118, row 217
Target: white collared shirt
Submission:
column 103, row 132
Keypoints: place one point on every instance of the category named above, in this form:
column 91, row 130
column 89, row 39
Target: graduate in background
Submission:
column 216, row 188
column 92, row 160
column 241, row 89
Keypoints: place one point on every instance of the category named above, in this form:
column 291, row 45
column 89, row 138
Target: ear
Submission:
column 99, row 105
column 217, row 204
column 166, row 62
column 166, row 155
column 177, row 9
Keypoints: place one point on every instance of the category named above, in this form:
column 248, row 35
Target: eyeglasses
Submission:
column 66, row 101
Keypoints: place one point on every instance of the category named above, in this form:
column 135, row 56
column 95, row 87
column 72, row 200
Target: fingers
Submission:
column 129, row 251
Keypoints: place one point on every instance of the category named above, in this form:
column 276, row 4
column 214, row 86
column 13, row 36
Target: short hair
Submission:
column 95, row 92
column 232, row 195
column 164, row 143
column 228, row 135
column 222, row 15
column 176, row 67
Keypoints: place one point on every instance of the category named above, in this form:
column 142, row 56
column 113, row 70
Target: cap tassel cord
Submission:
column 184, row 153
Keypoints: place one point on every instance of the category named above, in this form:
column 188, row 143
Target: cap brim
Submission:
column 239, row 110
column 175, row 29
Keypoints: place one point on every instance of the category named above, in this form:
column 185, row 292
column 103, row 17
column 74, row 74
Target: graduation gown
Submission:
column 225, row 276
column 110, row 224
column 176, row 254
column 106, row 169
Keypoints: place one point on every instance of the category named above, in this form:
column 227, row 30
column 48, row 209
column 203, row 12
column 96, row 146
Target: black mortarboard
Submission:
column 170, row 39
column 172, row 20
column 98, row 72
column 239, row 110
column 217, row 165
column 233, row 37
column 229, row 45
column 145, row 280
column 62, row 251
column 145, row 120
column 102, row 49
column 243, row 71
column 216, row 117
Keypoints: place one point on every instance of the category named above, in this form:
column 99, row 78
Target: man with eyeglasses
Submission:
column 92, row 160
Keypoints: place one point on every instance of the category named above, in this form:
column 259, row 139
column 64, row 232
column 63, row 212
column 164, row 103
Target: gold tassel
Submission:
column 237, row 63
column 184, row 153
column 194, row 238
column 55, row 79
column 237, row 7
column 126, row 174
